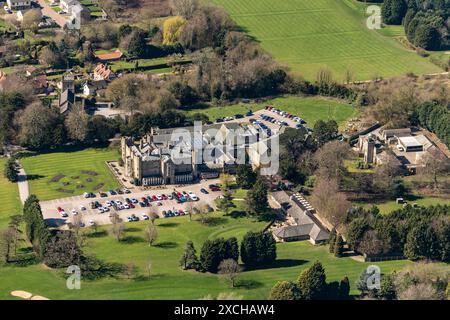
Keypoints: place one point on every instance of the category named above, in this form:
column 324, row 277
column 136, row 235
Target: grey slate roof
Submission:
column 306, row 224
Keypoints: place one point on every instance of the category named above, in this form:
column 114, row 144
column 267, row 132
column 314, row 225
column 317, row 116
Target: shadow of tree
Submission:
column 131, row 240
column 280, row 263
column 97, row 234
column 166, row 245
column 132, row 229
column 168, row 224
column 34, row 177
column 248, row 284
column 213, row 221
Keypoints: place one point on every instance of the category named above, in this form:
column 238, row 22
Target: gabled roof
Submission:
column 96, row 85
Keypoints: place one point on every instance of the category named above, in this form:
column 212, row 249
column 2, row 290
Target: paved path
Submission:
column 23, row 185
column 49, row 12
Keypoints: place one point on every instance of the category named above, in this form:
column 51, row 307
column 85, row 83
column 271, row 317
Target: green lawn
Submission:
column 387, row 207
column 309, row 108
column 309, row 35
column 167, row 280
column 9, row 198
column 69, row 169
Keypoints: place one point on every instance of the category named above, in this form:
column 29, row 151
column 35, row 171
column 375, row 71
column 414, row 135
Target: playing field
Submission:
column 167, row 280
column 309, row 108
column 309, row 35
column 67, row 173
column 9, row 197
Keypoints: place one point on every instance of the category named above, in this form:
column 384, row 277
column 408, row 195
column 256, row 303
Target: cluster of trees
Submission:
column 311, row 285
column 436, row 118
column 257, row 249
column 10, row 237
column 36, row 229
column 421, row 281
column 416, row 233
column 425, row 22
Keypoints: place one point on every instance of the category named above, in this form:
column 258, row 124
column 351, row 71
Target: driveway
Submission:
column 22, row 183
column 49, row 12
column 53, row 218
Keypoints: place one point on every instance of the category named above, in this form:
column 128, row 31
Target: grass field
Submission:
column 67, row 173
column 167, row 280
column 309, row 108
column 9, row 197
column 309, row 35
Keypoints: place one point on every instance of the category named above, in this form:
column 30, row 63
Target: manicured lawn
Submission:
column 67, row 173
column 309, row 108
column 9, row 198
column 387, row 207
column 167, row 280
column 310, row 35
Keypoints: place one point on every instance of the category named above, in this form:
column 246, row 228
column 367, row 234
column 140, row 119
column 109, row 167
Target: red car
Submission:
column 59, row 209
column 154, row 198
column 181, row 212
column 164, row 196
column 131, row 206
column 179, row 194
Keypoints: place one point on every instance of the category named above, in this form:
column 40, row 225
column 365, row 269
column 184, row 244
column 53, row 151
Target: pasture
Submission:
column 68, row 173
column 311, row 35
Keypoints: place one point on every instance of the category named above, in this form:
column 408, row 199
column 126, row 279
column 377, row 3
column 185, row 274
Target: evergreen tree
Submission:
column 393, row 11
column 285, row 290
column 332, row 240
column 232, row 249
column 312, row 282
column 258, row 248
column 245, row 176
column 387, row 288
column 257, row 198
column 189, row 258
column 225, row 202
column 11, row 172
column 138, row 45
column 339, row 246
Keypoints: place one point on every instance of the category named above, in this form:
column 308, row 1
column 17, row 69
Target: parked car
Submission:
column 82, row 208
column 103, row 195
column 63, row 214
column 203, row 190
column 91, row 222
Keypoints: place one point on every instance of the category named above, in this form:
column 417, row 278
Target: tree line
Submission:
column 257, row 249
column 416, row 233
column 425, row 22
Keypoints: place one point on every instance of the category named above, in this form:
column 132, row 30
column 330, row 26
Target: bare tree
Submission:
column 118, row 227
column 31, row 20
column 435, row 164
column 151, row 234
column 130, row 270
column 230, row 269
column 330, row 160
column 7, row 240
column 77, row 122
column 330, row 203
column 185, row 8
column 153, row 216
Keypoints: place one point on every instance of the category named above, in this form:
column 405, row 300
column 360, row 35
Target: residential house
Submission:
column 91, row 88
column 19, row 4
column 103, row 72
column 30, row 71
column 66, row 101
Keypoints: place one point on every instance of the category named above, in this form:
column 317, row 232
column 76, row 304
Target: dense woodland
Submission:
column 426, row 22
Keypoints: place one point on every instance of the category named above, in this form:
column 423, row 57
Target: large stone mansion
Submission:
column 182, row 155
